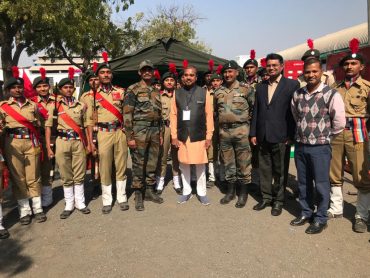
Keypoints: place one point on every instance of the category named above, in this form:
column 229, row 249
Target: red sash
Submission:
column 69, row 121
column 109, row 106
column 35, row 137
column 41, row 108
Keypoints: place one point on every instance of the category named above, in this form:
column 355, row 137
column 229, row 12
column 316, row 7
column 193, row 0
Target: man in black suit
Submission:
column 273, row 129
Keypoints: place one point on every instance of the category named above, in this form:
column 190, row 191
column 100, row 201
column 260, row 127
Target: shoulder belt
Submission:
column 110, row 107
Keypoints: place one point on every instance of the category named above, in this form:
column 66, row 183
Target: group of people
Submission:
column 228, row 130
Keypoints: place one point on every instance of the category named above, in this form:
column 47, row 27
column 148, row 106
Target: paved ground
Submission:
column 189, row 240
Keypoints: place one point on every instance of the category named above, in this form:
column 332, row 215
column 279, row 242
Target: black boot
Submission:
column 139, row 203
column 242, row 199
column 151, row 196
column 230, row 194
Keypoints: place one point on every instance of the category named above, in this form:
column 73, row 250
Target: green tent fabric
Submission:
column 161, row 52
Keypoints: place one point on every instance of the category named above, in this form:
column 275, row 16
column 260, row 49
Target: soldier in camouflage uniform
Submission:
column 233, row 104
column 142, row 120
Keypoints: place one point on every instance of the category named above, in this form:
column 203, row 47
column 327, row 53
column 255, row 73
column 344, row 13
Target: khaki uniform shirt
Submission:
column 76, row 111
column 356, row 98
column 234, row 104
column 166, row 104
column 50, row 101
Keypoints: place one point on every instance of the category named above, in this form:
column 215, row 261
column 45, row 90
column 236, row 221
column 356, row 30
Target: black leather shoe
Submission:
column 316, row 228
column 230, row 194
column 178, row 190
column 124, row 206
column 85, row 210
column 65, row 214
column 40, row 217
column 139, row 203
column 276, row 209
column 25, row 220
column 242, row 199
column 151, row 196
column 262, row 205
column 106, row 209
column 210, row 184
column 4, row 234
column 299, row 221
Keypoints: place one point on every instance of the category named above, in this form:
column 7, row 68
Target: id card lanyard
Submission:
column 186, row 112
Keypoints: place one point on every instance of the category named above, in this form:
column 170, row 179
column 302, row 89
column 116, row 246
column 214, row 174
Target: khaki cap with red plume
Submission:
column 171, row 72
column 15, row 79
column 103, row 65
column 252, row 59
column 41, row 79
column 68, row 80
column 218, row 73
column 354, row 46
column 312, row 52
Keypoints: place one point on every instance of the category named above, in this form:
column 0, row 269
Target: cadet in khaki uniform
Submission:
column 234, row 104
column 327, row 77
column 3, row 232
column 352, row 142
column 43, row 99
column 169, row 80
column 143, row 111
column 109, row 104
column 19, row 121
column 71, row 146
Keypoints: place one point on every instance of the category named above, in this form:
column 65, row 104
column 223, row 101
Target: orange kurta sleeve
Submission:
column 209, row 116
column 173, row 117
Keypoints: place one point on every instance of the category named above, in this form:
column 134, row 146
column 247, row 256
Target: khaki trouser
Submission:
column 343, row 145
column 112, row 145
column 70, row 156
column 23, row 161
column 162, row 163
column 45, row 166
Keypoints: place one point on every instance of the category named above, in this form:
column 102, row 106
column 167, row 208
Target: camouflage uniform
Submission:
column 234, row 108
column 142, row 120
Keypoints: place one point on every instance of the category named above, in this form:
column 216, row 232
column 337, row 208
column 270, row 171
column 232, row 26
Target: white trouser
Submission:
column 106, row 194
column 46, row 196
column 201, row 179
column 336, row 200
column 79, row 196
column 160, row 183
column 24, row 207
column 211, row 172
column 36, row 204
column 176, row 182
column 121, row 191
column 363, row 206
column 1, row 218
column 69, row 198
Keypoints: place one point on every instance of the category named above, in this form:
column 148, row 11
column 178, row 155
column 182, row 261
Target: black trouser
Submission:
column 271, row 168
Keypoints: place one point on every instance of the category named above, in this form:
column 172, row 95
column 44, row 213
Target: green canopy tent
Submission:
column 161, row 52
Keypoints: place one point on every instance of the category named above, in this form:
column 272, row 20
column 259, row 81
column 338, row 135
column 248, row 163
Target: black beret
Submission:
column 311, row 53
column 250, row 61
column 102, row 66
column 167, row 75
column 354, row 56
column 216, row 76
column 13, row 81
column 39, row 80
column 262, row 71
column 89, row 73
column 66, row 81
column 230, row 65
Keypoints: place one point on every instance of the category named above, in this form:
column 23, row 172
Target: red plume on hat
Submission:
column 185, row 64
column 15, row 72
column 157, row 75
column 310, row 43
column 105, row 56
column 211, row 65
column 71, row 73
column 252, row 54
column 172, row 68
column 95, row 66
column 43, row 73
column 219, row 69
column 354, row 45
column 263, row 62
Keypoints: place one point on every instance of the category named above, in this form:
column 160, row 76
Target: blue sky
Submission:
column 234, row 27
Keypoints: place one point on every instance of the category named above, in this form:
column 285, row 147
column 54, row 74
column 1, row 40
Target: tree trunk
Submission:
column 6, row 59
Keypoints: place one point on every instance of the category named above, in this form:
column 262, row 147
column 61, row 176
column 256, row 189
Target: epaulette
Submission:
column 133, row 86
column 366, row 82
column 2, row 102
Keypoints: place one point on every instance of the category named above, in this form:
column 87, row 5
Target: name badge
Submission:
column 186, row 115
column 116, row 96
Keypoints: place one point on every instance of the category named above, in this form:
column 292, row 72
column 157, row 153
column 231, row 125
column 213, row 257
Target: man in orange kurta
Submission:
column 191, row 131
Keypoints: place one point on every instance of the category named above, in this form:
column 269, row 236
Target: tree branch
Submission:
column 59, row 45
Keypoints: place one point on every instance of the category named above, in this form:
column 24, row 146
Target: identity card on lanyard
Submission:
column 186, row 112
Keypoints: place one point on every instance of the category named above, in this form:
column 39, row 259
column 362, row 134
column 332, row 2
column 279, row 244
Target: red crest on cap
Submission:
column 95, row 66
column 211, row 64
column 43, row 73
column 172, row 68
column 105, row 56
column 185, row 64
column 219, row 69
column 354, row 45
column 252, row 54
column 310, row 43
column 157, row 75
column 15, row 72
column 71, row 73
column 263, row 62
